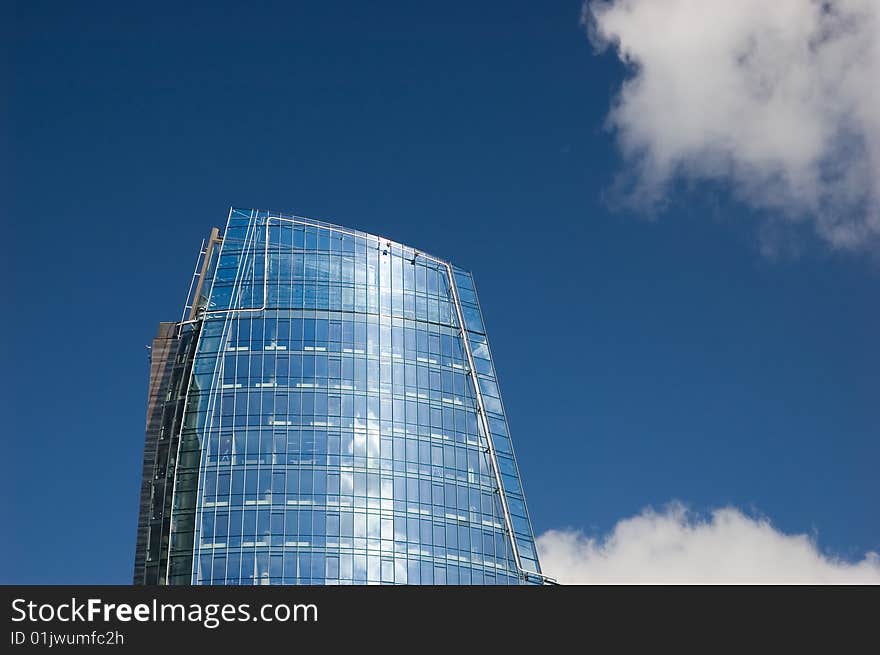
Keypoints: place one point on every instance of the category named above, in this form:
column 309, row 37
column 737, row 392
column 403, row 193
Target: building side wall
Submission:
column 161, row 361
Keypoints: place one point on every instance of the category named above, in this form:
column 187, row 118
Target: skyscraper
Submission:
column 326, row 412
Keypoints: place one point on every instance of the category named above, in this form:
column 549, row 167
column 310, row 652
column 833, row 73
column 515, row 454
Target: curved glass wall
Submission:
column 344, row 427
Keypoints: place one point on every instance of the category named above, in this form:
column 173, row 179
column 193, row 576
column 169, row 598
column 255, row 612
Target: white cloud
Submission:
column 781, row 98
column 674, row 546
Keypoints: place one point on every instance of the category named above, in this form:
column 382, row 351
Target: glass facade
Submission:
column 334, row 419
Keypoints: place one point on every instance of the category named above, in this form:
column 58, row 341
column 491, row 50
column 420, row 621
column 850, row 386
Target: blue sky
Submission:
column 643, row 358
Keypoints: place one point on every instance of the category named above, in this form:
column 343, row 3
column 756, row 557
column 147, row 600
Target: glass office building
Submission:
column 326, row 412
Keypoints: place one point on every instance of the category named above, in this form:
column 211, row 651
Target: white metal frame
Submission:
column 484, row 419
column 188, row 303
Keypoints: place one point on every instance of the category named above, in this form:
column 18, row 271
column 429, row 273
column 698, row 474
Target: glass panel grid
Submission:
column 337, row 420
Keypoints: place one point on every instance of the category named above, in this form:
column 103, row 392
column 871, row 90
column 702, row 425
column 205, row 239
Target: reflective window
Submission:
column 340, row 433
